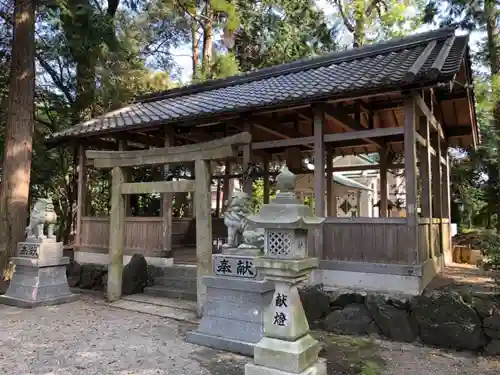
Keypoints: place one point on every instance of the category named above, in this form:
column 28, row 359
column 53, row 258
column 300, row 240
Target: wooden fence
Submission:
column 144, row 234
column 371, row 240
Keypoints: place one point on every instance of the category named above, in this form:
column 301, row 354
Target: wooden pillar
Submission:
column 425, row 180
column 122, row 146
column 446, row 196
column 436, row 191
column 227, row 186
column 425, row 169
column 375, row 197
column 116, row 235
column 319, row 177
column 81, row 194
column 203, row 229
column 329, row 182
column 217, row 199
column 358, row 203
column 411, row 179
column 247, row 159
column 166, row 205
column 383, row 182
column 437, row 205
column 445, row 184
column 266, row 180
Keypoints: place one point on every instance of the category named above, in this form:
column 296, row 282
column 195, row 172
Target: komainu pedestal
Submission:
column 236, row 293
column 40, row 273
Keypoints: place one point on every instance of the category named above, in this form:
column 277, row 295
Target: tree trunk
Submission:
column 14, row 189
column 195, row 50
column 207, row 41
column 493, row 33
column 359, row 23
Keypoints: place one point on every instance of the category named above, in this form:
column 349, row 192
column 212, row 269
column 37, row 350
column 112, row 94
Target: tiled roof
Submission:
column 409, row 62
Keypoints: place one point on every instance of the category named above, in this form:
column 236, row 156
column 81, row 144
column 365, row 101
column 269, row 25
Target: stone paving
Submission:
column 88, row 338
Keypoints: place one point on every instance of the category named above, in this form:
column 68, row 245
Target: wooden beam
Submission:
column 329, row 138
column 122, row 160
column 421, row 140
column 428, row 113
column 363, row 134
column 145, row 139
column 234, row 140
column 289, row 142
column 411, row 179
column 342, row 117
column 158, row 187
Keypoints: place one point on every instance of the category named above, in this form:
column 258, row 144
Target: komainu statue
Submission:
column 43, row 213
column 237, row 209
column 240, row 234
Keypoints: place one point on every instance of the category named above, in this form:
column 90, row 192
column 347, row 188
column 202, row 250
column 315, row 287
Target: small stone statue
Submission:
column 237, row 209
column 43, row 213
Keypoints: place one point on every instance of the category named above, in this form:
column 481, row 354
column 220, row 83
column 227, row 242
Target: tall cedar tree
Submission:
column 16, row 166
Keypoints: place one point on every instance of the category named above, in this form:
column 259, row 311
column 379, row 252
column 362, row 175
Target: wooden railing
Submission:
column 145, row 233
column 374, row 240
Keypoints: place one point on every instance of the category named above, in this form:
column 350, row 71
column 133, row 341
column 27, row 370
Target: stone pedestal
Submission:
column 233, row 312
column 40, row 275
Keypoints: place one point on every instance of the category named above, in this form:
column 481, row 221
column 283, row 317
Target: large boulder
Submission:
column 153, row 273
column 135, row 275
column 352, row 320
column 392, row 322
column 445, row 320
column 73, row 273
column 493, row 348
column 316, row 302
column 344, row 299
column 486, row 305
column 491, row 326
column 91, row 276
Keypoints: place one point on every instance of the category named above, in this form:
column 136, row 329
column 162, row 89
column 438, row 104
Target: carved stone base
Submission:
column 39, row 278
column 232, row 314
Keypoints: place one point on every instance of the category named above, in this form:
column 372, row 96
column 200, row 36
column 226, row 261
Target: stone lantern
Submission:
column 287, row 347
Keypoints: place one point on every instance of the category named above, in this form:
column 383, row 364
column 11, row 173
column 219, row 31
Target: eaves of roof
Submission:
column 420, row 60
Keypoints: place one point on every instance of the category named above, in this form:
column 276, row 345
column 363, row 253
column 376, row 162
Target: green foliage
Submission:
column 489, row 243
column 277, row 31
column 258, row 195
column 368, row 21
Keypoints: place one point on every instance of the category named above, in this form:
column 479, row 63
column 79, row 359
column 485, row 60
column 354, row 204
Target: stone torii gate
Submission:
column 201, row 154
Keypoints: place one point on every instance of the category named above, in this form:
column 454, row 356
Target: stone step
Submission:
column 163, row 291
column 180, row 271
column 159, row 306
column 181, row 283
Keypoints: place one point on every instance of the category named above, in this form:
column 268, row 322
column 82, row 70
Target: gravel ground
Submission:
column 88, row 338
